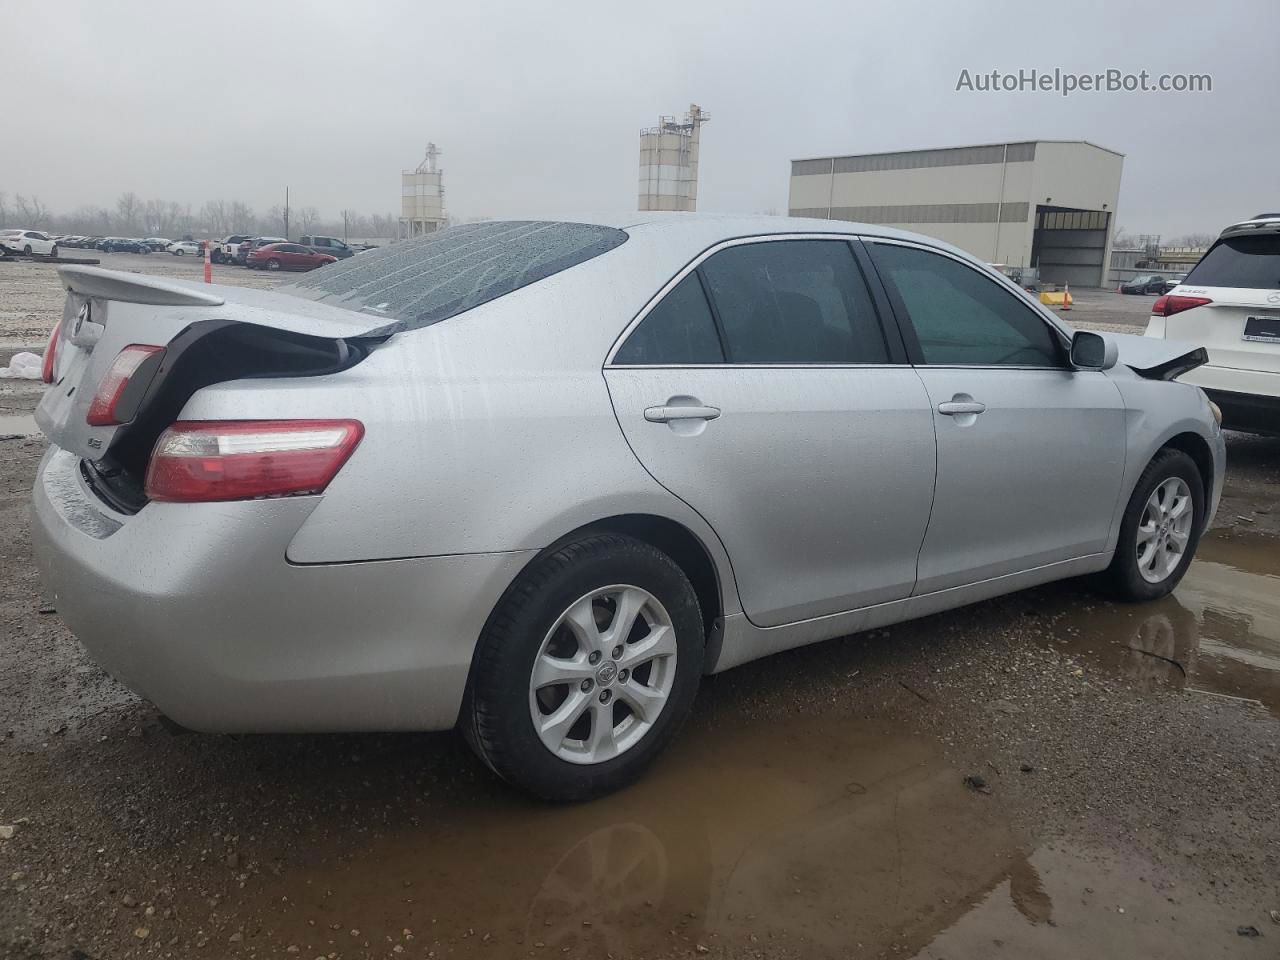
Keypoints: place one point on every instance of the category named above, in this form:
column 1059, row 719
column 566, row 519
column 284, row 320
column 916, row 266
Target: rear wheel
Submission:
column 1160, row 530
column 586, row 669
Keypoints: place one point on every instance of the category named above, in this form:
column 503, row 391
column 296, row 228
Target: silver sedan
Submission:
column 534, row 479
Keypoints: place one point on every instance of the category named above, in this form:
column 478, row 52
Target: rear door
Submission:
column 1240, row 325
column 1030, row 451
column 763, row 389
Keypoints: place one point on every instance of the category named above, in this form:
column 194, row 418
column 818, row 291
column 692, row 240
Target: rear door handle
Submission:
column 666, row 414
column 954, row 408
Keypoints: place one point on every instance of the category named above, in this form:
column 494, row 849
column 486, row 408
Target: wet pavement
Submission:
column 1217, row 635
column 17, row 425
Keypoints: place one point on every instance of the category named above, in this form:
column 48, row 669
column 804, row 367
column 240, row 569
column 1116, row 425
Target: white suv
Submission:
column 1230, row 303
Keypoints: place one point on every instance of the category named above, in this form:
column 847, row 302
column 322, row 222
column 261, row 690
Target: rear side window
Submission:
column 680, row 329
column 962, row 317
column 794, row 301
column 1252, row 262
column 436, row 276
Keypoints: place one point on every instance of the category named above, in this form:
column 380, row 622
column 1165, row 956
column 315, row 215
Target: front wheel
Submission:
column 54, row 251
column 586, row 669
column 273, row 264
column 27, row 249
column 1160, row 530
column 179, row 253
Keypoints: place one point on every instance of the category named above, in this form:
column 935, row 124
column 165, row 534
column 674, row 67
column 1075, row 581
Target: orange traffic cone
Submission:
column 1066, row 298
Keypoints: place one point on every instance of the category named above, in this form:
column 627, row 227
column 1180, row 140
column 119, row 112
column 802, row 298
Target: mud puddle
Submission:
column 18, row 426
column 815, row 837
column 800, row 838
column 1218, row 634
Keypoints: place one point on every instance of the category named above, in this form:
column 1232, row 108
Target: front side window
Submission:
column 794, row 301
column 961, row 317
column 679, row 330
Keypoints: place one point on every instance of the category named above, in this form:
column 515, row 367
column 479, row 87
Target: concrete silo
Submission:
column 422, row 197
column 669, row 162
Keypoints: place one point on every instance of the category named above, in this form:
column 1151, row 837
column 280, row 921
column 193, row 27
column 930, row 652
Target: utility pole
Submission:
column 286, row 213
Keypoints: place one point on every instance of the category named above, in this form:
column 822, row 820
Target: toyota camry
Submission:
column 534, row 479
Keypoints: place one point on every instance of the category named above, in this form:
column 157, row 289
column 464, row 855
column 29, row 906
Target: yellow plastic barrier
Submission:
column 1060, row 300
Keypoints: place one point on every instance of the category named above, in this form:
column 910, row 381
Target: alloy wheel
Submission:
column 603, row 674
column 1164, row 532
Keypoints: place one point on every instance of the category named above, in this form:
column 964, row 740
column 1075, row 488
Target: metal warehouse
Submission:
column 1040, row 203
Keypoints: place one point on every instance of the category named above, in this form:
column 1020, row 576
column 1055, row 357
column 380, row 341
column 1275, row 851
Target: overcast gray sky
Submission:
column 538, row 106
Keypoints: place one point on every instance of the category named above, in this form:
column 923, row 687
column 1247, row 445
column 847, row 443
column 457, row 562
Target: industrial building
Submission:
column 669, row 162
column 1048, row 204
column 422, row 197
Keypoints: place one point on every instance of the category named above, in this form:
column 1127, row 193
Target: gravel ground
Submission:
column 1024, row 777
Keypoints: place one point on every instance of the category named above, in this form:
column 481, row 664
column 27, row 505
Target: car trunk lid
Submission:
column 106, row 311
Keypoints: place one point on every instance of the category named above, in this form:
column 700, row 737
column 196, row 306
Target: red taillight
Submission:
column 102, row 411
column 198, row 461
column 50, row 354
column 1168, row 305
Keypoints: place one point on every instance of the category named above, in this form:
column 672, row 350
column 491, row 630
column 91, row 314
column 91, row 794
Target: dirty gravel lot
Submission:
column 816, row 805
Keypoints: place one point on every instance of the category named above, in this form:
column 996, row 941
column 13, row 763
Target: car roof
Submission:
column 706, row 229
column 1266, row 223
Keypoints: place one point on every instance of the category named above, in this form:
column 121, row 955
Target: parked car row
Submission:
column 238, row 249
column 269, row 253
column 113, row 244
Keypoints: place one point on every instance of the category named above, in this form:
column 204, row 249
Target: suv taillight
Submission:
column 1168, row 305
column 51, row 353
column 103, row 410
column 199, row 461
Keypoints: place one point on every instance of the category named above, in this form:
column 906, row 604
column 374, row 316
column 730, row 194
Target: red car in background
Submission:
column 287, row 256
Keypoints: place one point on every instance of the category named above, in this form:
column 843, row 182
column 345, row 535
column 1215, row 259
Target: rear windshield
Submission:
column 1240, row 262
column 431, row 278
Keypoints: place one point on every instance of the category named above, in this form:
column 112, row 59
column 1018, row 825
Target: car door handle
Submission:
column 668, row 413
column 954, row 408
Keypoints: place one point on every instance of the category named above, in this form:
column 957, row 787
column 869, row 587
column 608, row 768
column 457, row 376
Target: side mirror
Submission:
column 1092, row 351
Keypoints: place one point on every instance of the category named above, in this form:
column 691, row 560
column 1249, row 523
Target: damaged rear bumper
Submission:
column 196, row 608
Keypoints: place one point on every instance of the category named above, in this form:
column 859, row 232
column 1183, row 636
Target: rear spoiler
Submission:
column 134, row 288
column 1157, row 359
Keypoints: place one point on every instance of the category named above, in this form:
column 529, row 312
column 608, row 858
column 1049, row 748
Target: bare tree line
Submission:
column 135, row 217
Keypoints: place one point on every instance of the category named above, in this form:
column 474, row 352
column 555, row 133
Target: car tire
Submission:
column 273, row 264
column 216, row 256
column 27, row 249
column 54, row 251
column 179, row 253
column 1146, row 565
column 504, row 694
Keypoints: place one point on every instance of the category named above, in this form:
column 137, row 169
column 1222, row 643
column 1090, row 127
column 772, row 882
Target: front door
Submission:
column 1030, row 451
column 782, row 419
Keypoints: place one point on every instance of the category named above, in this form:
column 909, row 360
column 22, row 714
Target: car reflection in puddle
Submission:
column 802, row 837
column 1218, row 634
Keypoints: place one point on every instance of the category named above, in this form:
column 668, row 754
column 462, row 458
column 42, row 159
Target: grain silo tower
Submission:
column 422, row 197
column 669, row 162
